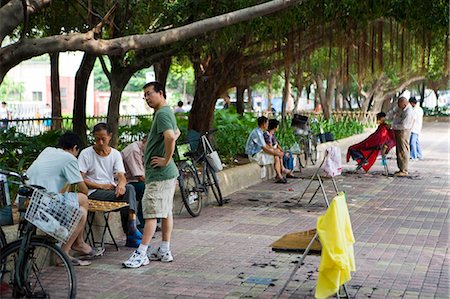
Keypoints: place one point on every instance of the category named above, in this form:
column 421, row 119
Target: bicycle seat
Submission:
column 190, row 154
column 300, row 132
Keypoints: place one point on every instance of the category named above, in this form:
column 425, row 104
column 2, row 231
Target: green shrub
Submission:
column 18, row 151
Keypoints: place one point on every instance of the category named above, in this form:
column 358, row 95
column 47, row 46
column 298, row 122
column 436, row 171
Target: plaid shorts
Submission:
column 157, row 201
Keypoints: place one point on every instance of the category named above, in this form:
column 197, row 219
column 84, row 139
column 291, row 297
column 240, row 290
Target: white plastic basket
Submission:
column 53, row 215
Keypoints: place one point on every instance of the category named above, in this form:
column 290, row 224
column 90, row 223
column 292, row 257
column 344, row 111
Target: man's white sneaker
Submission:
column 158, row 255
column 136, row 260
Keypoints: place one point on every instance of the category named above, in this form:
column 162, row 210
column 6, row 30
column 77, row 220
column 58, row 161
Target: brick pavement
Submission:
column 401, row 226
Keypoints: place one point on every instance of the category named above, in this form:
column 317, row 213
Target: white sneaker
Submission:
column 158, row 255
column 136, row 260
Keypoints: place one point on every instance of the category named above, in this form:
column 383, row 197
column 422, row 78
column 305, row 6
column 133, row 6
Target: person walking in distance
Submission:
column 416, row 152
column 403, row 118
column 160, row 179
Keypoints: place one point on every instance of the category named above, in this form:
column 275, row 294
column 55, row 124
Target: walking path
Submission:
column 401, row 226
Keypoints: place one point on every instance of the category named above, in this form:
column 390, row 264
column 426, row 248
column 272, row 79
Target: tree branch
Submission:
column 13, row 54
column 403, row 85
column 12, row 14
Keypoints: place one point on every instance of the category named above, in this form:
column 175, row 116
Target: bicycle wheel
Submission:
column 45, row 271
column 213, row 182
column 303, row 155
column 2, row 238
column 191, row 193
column 313, row 150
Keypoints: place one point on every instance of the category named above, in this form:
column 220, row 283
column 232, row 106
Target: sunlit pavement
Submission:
column 401, row 228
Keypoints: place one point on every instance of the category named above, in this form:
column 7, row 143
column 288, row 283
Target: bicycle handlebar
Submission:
column 23, row 177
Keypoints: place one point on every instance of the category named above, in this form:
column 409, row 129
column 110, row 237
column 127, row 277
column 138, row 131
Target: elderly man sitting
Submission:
column 260, row 152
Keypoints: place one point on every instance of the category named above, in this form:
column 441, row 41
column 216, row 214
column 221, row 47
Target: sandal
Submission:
column 78, row 262
column 95, row 252
column 290, row 176
column 281, row 181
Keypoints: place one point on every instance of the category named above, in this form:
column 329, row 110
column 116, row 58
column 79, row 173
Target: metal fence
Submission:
column 36, row 126
column 365, row 118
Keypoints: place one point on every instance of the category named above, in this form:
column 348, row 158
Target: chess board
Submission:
column 105, row 206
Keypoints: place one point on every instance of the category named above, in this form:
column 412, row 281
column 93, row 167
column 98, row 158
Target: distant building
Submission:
column 34, row 75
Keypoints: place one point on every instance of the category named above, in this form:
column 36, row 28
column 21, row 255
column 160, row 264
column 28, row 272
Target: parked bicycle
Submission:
column 306, row 138
column 197, row 176
column 35, row 266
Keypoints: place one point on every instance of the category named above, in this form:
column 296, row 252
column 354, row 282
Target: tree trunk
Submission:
column 339, row 103
column 202, row 113
column 269, row 94
column 288, row 53
column 79, row 106
column 240, row 99
column 250, row 100
column 56, row 92
column 118, row 82
column 422, row 93
column 326, row 105
column 162, row 68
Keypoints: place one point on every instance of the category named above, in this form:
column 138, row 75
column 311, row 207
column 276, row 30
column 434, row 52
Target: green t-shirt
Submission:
column 163, row 120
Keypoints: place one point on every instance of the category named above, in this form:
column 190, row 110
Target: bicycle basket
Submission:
column 53, row 215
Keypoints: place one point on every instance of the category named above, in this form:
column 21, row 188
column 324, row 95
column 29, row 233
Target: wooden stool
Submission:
column 104, row 207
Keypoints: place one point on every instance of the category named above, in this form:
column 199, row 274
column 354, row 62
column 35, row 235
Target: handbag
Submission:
column 211, row 155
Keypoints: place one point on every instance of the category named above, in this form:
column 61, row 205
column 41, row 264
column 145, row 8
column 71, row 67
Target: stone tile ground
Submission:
column 401, row 226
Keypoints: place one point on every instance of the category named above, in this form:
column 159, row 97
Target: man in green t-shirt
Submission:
column 160, row 178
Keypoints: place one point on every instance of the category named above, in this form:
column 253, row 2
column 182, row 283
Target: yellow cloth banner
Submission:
column 337, row 259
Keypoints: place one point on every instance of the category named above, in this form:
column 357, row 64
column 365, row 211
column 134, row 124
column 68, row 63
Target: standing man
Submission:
column 403, row 118
column 160, row 178
column 5, row 116
column 416, row 152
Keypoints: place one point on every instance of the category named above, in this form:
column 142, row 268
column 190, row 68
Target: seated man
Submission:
column 367, row 151
column 100, row 164
column 260, row 152
column 54, row 169
column 286, row 163
column 133, row 160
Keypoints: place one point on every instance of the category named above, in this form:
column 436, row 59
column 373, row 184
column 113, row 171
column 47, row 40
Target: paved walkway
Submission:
column 401, row 226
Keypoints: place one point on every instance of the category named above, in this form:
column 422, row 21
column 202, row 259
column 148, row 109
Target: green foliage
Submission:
column 232, row 133
column 340, row 129
column 18, row 151
column 10, row 90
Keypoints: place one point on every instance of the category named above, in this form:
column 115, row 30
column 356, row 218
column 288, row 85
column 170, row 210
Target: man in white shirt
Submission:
column 403, row 118
column 5, row 116
column 100, row 165
column 56, row 169
column 416, row 152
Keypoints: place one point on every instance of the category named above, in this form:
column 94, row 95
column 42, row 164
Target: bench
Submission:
column 104, row 208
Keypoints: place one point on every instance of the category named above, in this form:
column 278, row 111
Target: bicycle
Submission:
column 35, row 266
column 192, row 184
column 307, row 140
